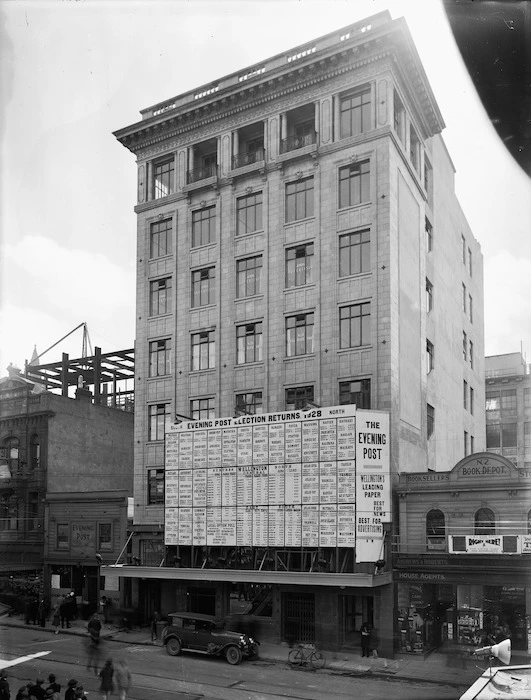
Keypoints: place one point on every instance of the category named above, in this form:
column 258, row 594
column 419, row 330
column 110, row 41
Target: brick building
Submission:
column 300, row 244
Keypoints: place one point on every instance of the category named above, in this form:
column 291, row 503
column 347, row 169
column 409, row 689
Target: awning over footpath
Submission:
column 26, row 566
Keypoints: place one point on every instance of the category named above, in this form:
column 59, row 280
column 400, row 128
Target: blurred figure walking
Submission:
column 107, row 684
column 123, row 677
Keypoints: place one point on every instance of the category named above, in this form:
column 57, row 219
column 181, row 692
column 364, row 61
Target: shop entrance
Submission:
column 354, row 611
column 202, row 600
column 298, row 617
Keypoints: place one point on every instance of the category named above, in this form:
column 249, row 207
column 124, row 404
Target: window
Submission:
column 430, row 420
column 159, row 357
column 472, row 400
column 414, row 149
column 428, row 228
column 357, row 391
column 492, row 401
column 203, row 226
column 159, row 419
column 509, row 435
column 203, row 287
column 355, row 113
column 160, row 239
column 299, row 199
column 484, row 522
column 465, row 394
column 35, row 452
column 527, row 398
column 203, row 350
column 354, row 253
column 63, row 536
column 463, row 249
column 430, row 356
column 299, row 397
column 470, row 262
column 249, row 213
column 355, row 325
column 249, row 403
column 249, row 277
column 527, row 434
column 155, row 486
column 163, row 178
column 398, row 116
column 493, row 435
column 463, row 297
column 465, row 443
column 9, row 455
column 429, row 295
column 508, row 399
column 160, row 297
column 465, row 346
column 471, row 354
column 428, row 178
column 249, row 343
column 202, row 409
column 9, row 505
column 33, row 521
column 299, row 334
column 435, row 529
column 105, row 537
column 354, row 184
column 471, row 444
column 299, row 265
column 470, row 315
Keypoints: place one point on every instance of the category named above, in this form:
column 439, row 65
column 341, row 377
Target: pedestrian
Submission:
column 42, row 612
column 37, row 690
column 22, row 693
column 365, row 631
column 106, row 675
column 93, row 643
column 56, row 619
column 154, row 620
column 71, row 690
column 4, row 686
column 80, row 692
column 72, row 603
column 122, row 675
column 375, row 639
column 64, row 612
column 54, row 685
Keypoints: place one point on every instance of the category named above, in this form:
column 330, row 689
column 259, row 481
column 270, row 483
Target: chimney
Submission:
column 83, row 395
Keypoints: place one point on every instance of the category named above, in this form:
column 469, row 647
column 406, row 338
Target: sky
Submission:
column 74, row 71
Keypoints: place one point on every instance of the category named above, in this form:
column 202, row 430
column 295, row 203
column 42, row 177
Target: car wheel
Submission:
column 173, row 646
column 233, row 655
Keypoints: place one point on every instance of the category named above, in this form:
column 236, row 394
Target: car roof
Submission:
column 194, row 616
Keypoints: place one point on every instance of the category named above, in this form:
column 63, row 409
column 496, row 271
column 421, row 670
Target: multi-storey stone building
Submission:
column 300, row 243
column 508, row 407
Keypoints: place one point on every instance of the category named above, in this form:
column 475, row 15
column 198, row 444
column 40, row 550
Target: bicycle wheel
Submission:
column 317, row 659
column 295, row 657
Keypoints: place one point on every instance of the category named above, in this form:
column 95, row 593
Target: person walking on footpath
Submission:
column 56, row 618
column 64, row 612
column 365, row 631
column 4, row 686
column 42, row 612
column 123, row 678
column 107, row 684
column 154, row 620
column 93, row 643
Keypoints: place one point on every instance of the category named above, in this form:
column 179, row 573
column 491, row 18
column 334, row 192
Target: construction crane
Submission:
column 86, row 346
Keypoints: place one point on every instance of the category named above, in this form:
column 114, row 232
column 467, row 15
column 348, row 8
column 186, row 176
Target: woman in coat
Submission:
column 106, row 675
column 122, row 676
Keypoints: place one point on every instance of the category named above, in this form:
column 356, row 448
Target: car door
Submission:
column 204, row 634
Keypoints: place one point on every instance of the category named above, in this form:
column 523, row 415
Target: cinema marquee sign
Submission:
column 317, row 478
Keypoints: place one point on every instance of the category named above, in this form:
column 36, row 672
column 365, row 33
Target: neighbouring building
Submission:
column 508, row 407
column 462, row 560
column 66, row 472
column 300, row 245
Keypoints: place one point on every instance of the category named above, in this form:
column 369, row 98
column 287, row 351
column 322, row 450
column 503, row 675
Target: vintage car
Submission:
column 206, row 634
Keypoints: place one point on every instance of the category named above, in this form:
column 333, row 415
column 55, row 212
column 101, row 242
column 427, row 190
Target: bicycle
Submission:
column 306, row 654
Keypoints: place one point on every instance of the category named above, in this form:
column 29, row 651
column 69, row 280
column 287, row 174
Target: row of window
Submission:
column 468, row 353
column 468, row 440
column 506, row 399
column 466, row 255
column 354, row 331
column 356, row 391
column 104, row 537
column 500, row 435
column 354, row 181
column 354, row 258
column 484, row 523
column 467, row 309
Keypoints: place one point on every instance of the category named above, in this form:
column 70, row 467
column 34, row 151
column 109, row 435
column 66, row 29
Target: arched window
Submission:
column 435, row 529
column 35, row 452
column 484, row 523
column 9, row 455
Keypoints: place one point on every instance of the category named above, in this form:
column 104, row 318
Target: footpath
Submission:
column 438, row 667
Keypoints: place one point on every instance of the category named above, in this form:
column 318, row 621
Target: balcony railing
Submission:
column 201, row 173
column 247, row 158
column 295, row 142
column 511, row 541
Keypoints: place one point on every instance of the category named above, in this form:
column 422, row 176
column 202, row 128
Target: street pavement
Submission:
column 437, row 667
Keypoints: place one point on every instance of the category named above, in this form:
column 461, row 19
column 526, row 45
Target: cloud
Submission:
column 507, row 303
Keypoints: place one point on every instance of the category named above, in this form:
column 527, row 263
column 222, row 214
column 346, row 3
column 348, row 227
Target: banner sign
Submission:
column 316, row 478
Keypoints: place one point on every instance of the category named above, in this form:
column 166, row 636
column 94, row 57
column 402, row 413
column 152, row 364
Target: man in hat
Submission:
column 37, row 690
column 4, row 686
column 70, row 693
